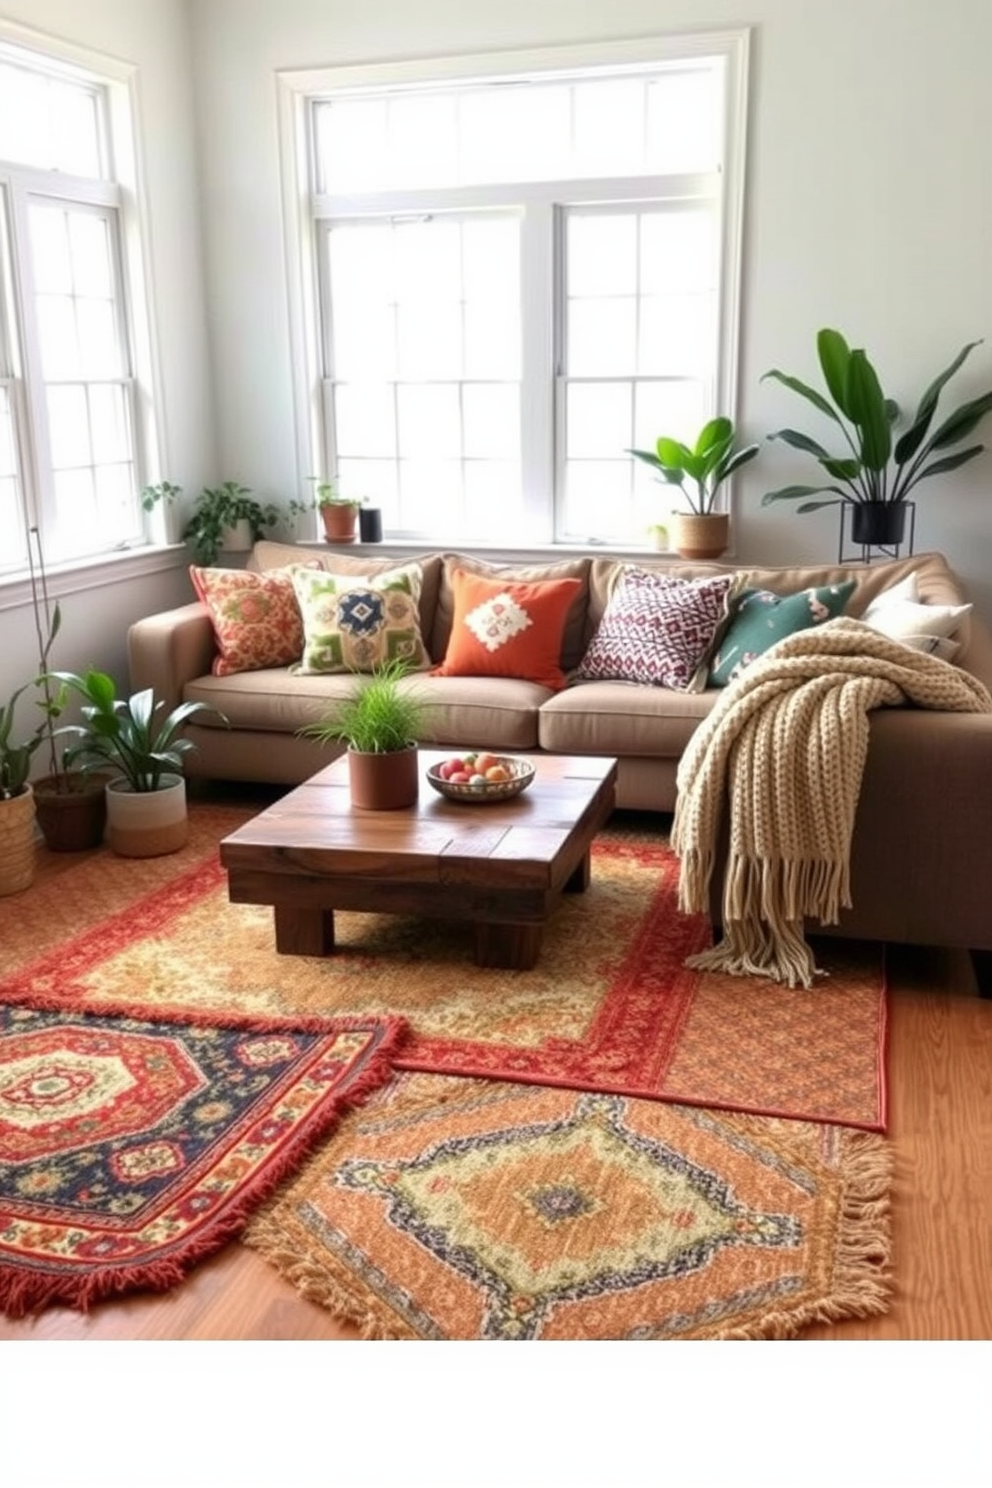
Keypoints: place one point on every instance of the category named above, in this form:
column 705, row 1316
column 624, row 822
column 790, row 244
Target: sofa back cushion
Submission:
column 267, row 554
column 573, row 640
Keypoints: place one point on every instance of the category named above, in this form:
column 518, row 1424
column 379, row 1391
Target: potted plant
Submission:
column 338, row 513
column 17, row 803
column 701, row 532
column 146, row 798
column 70, row 805
column 228, row 517
column 380, row 722
column 877, row 471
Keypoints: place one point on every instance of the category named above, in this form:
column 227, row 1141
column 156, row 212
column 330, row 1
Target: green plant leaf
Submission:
column 804, row 391
column 801, row 442
column 835, row 361
column 741, row 457
column 809, row 506
column 719, row 431
column 793, row 493
column 866, row 403
column 949, row 462
column 961, row 423
column 672, row 454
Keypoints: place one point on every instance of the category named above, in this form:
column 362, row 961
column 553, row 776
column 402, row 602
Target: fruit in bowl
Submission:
column 479, row 775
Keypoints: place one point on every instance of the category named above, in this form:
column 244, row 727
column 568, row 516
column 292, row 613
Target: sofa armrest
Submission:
column 167, row 650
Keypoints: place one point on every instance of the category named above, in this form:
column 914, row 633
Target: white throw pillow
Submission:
column 898, row 614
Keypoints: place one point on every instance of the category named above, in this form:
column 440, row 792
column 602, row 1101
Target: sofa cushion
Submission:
column 268, row 554
column 658, row 629
column 353, row 624
column 486, row 712
column 898, row 614
column 255, row 616
column 616, row 718
column 508, row 628
column 762, row 618
column 574, row 635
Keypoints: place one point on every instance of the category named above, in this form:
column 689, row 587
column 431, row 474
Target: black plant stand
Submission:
column 849, row 551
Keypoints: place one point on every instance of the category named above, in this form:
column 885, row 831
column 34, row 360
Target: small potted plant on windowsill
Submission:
column 338, row 513
column 146, row 796
column 702, row 532
column 380, row 722
column 225, row 518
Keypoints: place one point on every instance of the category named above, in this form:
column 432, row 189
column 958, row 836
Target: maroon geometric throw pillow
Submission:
column 658, row 629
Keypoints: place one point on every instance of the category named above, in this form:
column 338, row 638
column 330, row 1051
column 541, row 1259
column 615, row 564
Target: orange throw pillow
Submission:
column 508, row 628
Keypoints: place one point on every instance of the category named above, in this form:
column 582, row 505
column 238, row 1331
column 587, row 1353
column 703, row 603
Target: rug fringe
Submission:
column 862, row 1277
column 316, row 1283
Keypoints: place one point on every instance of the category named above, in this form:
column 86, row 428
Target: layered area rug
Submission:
column 610, row 1007
column 467, row 1209
column 130, row 1149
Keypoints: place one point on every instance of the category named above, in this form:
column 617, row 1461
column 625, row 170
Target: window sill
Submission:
column 94, row 573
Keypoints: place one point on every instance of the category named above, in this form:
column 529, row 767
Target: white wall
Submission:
column 869, row 208
column 154, row 36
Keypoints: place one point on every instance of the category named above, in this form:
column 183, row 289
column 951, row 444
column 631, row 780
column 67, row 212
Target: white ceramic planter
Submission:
column 147, row 824
column 237, row 539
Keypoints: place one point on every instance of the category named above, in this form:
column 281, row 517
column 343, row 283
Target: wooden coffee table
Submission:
column 502, row 865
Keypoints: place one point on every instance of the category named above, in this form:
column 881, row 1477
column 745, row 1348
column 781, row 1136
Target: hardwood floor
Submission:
column 940, row 1102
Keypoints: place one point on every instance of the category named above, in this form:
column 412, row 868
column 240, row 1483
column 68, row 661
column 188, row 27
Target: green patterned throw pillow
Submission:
column 354, row 623
column 763, row 618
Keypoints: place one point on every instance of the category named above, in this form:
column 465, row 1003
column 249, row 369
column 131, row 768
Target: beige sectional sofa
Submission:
column 922, row 852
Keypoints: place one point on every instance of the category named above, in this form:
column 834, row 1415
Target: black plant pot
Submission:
column 370, row 524
column 878, row 524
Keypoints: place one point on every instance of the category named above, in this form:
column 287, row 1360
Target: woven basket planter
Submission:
column 700, row 537
column 17, row 844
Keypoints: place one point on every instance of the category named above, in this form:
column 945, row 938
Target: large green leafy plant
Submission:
column 124, row 733
column 707, row 464
column 877, row 466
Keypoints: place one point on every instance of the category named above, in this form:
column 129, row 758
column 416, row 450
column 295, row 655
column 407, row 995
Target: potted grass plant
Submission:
column 877, row 470
column 146, row 796
column 380, row 722
column 699, row 471
column 338, row 513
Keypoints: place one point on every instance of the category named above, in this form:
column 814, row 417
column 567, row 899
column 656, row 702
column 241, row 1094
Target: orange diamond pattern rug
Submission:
column 469, row 1209
column 609, row 1008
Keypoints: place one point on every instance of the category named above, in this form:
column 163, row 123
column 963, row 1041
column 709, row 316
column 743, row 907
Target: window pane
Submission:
column 423, row 140
column 57, row 336
column 598, row 495
column 50, row 255
column 685, row 122
column 515, row 133
column 678, row 251
column 598, row 420
column 74, row 130
column 609, row 128
column 429, row 421
column 24, row 117
column 374, row 479
column 493, row 497
column 115, row 501
column 8, row 464
column 361, row 262
column 675, row 409
column 492, row 340
column 602, row 254
column 69, row 430
column 431, row 496
column 602, row 337
column 365, row 421
column 91, row 265
column 14, row 550
column 364, row 340
column 109, row 426
column 48, row 122
column 491, row 259
column 677, row 334
column 98, row 340
column 429, row 339
column 77, row 528
column 353, row 145
column 491, row 413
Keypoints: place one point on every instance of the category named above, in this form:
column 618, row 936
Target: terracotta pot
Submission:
column 17, row 842
column 339, row 523
column 384, row 782
column 72, row 818
column 700, row 537
column 147, row 824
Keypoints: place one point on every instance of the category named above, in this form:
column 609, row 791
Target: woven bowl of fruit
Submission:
column 479, row 777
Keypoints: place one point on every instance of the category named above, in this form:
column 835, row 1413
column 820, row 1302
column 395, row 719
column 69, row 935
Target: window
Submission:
column 517, row 278
column 69, row 427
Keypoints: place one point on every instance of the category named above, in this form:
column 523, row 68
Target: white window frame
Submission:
column 117, row 194
column 540, row 432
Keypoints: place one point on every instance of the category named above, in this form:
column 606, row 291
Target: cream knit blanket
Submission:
column 786, row 743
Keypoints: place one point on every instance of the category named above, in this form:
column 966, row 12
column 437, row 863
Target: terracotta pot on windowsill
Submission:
column 339, row 519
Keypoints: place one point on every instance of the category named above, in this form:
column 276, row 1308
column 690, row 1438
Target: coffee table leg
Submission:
column 579, row 881
column 304, row 932
column 513, row 946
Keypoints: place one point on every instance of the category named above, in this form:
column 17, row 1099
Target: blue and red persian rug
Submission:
column 132, row 1148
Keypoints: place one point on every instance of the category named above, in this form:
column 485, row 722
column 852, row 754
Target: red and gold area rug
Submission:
column 130, row 1149
column 468, row 1209
column 610, row 1005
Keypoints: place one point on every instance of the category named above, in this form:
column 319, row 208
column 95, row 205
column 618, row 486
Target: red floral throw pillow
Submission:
column 658, row 629
column 508, row 628
column 256, row 618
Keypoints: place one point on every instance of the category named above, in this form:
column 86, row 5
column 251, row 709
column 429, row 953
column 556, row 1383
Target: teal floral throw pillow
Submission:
column 762, row 618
